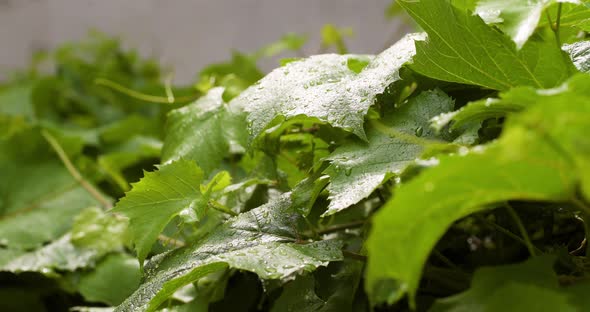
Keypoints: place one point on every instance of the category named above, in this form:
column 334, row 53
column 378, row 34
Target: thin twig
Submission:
column 508, row 233
column 141, row 96
column 586, row 220
column 557, row 24
column 580, row 205
column 220, row 207
column 106, row 203
column 445, row 260
column 341, row 227
column 355, row 256
column 522, row 229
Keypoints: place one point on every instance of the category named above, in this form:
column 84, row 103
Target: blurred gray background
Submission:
column 187, row 34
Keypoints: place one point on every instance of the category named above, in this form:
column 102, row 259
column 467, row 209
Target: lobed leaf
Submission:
column 157, row 198
column 462, row 48
column 324, row 87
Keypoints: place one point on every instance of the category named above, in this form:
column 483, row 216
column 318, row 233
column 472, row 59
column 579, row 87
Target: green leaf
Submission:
column 100, row 286
column 38, row 197
column 289, row 42
column 93, row 235
column 157, row 198
column 572, row 15
column 100, row 231
column 59, row 255
column 530, row 285
column 334, row 36
column 514, row 100
column 262, row 241
column 298, row 295
column 338, row 285
column 536, row 159
column 462, row 48
column 358, row 168
column 324, row 87
column 206, row 125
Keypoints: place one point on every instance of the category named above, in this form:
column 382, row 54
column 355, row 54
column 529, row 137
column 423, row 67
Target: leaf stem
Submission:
column 586, row 220
column 522, row 229
column 355, row 256
column 169, row 99
column 580, row 205
column 341, row 227
column 105, row 202
column 445, row 260
column 222, row 208
column 509, row 234
column 557, row 24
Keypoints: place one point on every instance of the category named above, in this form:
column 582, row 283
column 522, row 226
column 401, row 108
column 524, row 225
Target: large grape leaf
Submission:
column 358, row 168
column 462, row 48
column 205, row 131
column 543, row 154
column 262, row 241
column 331, row 88
column 38, row 197
column 527, row 286
column 157, row 198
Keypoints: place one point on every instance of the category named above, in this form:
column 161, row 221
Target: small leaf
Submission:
column 156, row 199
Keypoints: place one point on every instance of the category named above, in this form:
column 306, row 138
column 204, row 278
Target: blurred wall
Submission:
column 187, row 34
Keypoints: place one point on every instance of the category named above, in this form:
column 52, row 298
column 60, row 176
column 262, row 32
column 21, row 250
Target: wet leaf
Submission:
column 262, row 241
column 358, row 168
column 324, row 87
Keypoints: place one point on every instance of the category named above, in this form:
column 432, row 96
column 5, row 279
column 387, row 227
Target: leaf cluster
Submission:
column 450, row 172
